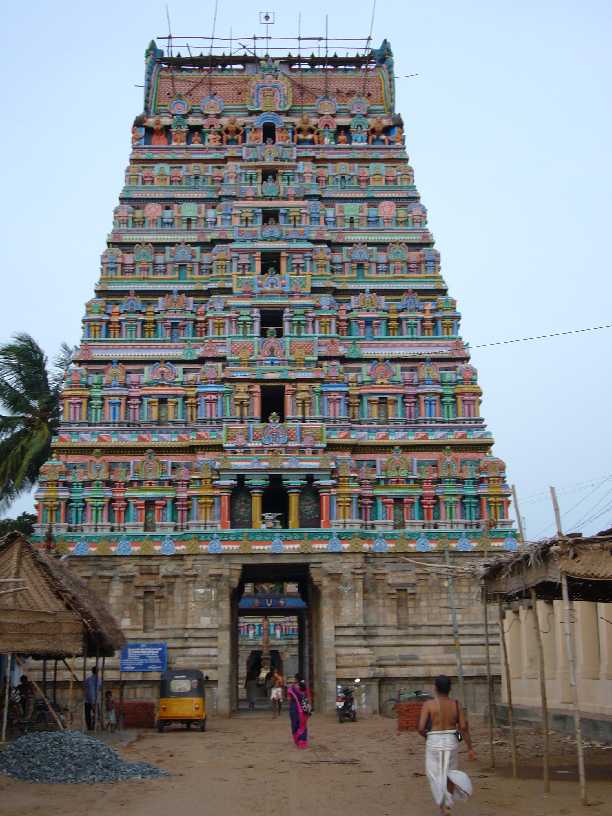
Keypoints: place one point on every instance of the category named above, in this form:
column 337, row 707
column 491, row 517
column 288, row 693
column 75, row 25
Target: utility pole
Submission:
column 555, row 504
column 519, row 518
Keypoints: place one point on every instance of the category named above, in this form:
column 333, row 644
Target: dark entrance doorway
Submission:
column 273, row 628
column 275, row 501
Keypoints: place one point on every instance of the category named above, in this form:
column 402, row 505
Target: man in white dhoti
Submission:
column 444, row 726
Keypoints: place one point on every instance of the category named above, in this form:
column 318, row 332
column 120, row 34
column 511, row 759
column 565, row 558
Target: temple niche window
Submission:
column 269, row 133
column 310, row 506
column 240, row 506
column 272, row 402
column 149, row 525
column 270, row 263
column 270, row 217
column 271, row 323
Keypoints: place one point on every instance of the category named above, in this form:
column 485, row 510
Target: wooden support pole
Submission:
column 519, row 518
column 502, row 637
column 120, row 712
column 489, row 677
column 97, row 702
column 102, row 721
column 7, row 694
column 73, row 679
column 571, row 659
column 545, row 725
column 84, row 721
column 55, row 681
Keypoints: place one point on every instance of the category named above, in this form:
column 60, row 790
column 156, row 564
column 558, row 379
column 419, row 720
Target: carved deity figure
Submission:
column 213, row 137
column 254, row 136
column 232, row 132
column 342, row 137
column 304, row 132
column 376, row 133
column 196, row 138
column 159, row 135
column 150, row 467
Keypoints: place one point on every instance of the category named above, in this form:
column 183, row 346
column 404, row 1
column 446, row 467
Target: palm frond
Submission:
column 62, row 362
column 23, row 364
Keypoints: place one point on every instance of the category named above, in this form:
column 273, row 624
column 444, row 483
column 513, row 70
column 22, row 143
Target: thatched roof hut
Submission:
column 46, row 610
column 587, row 563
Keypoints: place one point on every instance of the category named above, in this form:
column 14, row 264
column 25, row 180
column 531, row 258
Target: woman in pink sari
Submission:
column 299, row 710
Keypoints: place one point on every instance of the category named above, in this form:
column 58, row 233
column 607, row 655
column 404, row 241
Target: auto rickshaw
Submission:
column 182, row 699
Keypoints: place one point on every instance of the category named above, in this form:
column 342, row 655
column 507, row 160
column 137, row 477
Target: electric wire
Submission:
column 543, row 336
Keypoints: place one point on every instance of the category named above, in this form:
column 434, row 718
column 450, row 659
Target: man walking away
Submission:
column 92, row 690
column 276, row 694
column 444, row 726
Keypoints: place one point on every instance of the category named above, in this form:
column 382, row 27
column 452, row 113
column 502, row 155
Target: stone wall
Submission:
column 377, row 617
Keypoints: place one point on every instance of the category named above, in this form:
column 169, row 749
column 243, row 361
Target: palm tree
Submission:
column 30, row 397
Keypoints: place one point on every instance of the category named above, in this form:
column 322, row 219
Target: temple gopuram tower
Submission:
column 272, row 408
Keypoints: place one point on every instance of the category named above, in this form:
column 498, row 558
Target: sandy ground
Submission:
column 248, row 765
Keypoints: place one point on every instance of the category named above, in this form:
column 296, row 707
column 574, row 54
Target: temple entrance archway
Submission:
column 274, row 619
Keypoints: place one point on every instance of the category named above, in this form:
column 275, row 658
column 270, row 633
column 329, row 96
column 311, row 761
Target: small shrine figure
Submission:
column 282, row 135
column 376, row 133
column 342, row 137
column 304, row 132
column 159, row 135
column 254, row 136
column 232, row 132
column 213, row 137
column 196, row 138
column 398, row 136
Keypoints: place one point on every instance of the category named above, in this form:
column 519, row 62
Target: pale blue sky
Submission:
column 509, row 130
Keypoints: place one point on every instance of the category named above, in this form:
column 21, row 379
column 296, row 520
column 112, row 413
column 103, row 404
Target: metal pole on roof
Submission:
column 7, row 691
column 571, row 659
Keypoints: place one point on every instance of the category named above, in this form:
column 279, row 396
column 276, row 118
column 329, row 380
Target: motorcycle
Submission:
column 346, row 708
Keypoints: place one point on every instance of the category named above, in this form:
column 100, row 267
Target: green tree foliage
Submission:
column 29, row 398
column 24, row 523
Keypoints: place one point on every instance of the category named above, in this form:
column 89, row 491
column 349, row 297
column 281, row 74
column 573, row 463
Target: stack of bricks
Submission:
column 408, row 716
column 138, row 714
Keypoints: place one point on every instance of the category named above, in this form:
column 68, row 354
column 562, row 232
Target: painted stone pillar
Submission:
column 294, row 488
column 256, row 487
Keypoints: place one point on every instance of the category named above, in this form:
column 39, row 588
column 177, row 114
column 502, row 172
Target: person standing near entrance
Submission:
column 277, row 684
column 444, row 726
column 250, row 685
column 92, row 693
column 300, row 709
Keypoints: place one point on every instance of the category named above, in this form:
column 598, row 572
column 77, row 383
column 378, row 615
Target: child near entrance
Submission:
column 277, row 686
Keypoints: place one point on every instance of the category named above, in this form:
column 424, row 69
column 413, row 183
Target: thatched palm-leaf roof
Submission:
column 587, row 562
column 46, row 597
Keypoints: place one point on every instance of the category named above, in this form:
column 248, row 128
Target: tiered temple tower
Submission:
column 271, row 365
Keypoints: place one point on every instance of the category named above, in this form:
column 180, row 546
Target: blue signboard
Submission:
column 144, row 657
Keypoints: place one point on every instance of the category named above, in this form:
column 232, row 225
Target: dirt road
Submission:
column 247, row 766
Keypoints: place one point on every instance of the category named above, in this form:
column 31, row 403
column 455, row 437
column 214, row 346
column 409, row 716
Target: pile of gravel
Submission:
column 61, row 757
